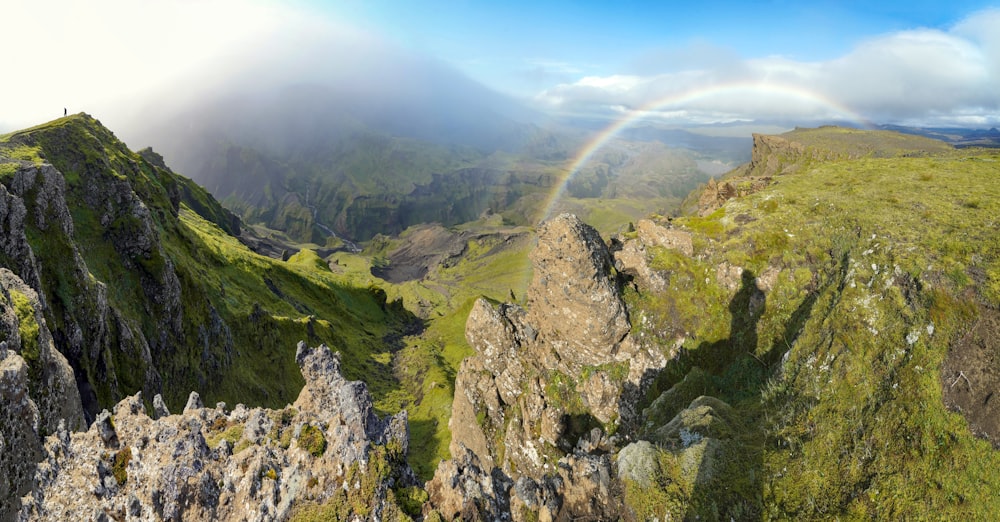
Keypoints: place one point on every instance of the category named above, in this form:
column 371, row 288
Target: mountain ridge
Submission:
column 788, row 354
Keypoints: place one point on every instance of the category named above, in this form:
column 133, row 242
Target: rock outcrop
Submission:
column 531, row 406
column 328, row 450
column 38, row 393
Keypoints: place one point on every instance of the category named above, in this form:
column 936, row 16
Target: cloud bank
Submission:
column 919, row 77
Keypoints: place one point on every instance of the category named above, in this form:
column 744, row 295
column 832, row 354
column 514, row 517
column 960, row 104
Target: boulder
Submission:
column 638, row 462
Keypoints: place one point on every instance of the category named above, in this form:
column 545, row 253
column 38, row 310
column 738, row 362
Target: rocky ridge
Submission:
column 541, row 409
column 131, row 264
column 208, row 463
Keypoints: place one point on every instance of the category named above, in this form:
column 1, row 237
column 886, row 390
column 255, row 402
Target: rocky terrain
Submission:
column 790, row 354
column 141, row 280
column 327, row 448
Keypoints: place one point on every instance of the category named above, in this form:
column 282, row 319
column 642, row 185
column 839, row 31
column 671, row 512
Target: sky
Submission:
column 914, row 62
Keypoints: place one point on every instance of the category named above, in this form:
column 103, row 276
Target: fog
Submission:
column 153, row 68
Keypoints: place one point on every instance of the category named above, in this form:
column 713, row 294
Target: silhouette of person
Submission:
column 64, row 111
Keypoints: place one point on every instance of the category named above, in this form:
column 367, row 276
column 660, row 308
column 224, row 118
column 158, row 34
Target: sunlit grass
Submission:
column 866, row 258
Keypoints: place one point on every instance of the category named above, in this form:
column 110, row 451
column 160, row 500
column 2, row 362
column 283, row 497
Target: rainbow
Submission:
column 752, row 89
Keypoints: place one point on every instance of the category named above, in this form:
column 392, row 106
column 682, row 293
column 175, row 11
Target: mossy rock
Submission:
column 696, row 383
column 639, row 463
column 312, row 440
column 120, row 466
column 706, row 417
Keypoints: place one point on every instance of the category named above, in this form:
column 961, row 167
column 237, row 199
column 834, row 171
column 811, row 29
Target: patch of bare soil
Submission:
column 970, row 376
column 424, row 249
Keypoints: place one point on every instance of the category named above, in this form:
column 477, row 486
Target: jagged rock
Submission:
column 573, row 299
column 54, row 389
column 632, row 259
column 193, row 402
column 159, row 407
column 19, row 432
column 473, row 393
column 587, row 488
column 356, row 424
column 506, row 402
column 185, row 467
column 462, row 488
column 651, row 234
column 14, row 247
column 105, row 429
column 38, row 393
column 500, row 332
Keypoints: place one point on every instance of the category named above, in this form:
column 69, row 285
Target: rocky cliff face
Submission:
column 132, row 275
column 327, row 451
column 38, row 394
column 536, row 407
column 117, row 275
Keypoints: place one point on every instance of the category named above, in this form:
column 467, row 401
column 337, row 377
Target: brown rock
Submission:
column 573, row 301
column 655, row 235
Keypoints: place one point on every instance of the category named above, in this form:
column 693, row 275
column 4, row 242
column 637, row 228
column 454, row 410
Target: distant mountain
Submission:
column 313, row 159
column 959, row 137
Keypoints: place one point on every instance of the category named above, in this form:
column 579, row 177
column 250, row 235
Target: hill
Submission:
column 142, row 282
column 818, row 345
column 815, row 348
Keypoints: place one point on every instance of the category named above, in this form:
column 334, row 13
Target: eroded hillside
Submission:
column 820, row 346
column 825, row 345
column 133, row 280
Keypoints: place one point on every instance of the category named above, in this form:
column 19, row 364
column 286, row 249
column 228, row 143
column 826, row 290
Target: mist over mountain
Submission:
column 339, row 134
column 299, row 99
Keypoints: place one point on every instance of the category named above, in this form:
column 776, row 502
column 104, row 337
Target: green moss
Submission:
column 411, row 499
column 120, row 466
column 312, row 440
column 32, row 153
column 232, row 434
column 358, row 501
column 27, row 327
column 7, row 169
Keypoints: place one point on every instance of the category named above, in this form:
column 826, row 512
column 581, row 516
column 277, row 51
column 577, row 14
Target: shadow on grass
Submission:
column 728, row 482
column 424, row 442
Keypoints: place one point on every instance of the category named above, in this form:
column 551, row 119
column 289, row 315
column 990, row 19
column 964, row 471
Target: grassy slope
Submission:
column 859, row 143
column 242, row 313
column 427, row 365
column 882, row 264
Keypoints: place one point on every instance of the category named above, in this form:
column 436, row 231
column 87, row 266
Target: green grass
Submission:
column 866, row 255
column 27, row 327
column 231, row 335
column 864, row 143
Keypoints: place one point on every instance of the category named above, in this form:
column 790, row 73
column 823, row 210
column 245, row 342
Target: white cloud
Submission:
column 920, row 76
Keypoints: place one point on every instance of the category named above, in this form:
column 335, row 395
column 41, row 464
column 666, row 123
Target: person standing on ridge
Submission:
column 64, row 111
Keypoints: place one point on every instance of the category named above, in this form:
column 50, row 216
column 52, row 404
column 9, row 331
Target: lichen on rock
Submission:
column 166, row 469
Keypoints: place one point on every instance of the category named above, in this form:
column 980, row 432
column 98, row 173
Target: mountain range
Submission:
column 812, row 337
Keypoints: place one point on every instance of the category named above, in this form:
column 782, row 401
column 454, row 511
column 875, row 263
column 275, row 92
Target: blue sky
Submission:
column 518, row 46
column 917, row 62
